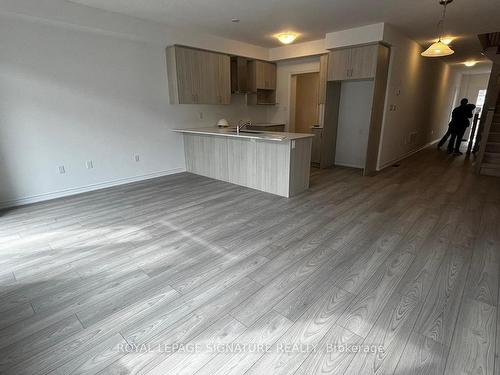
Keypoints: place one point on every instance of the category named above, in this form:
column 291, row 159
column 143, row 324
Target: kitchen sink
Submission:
column 246, row 131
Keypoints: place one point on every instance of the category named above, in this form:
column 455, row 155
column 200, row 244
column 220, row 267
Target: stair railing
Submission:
column 473, row 133
column 484, row 138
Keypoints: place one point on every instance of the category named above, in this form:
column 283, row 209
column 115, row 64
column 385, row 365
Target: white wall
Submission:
column 358, row 35
column 91, row 85
column 281, row 112
column 294, row 51
column 422, row 90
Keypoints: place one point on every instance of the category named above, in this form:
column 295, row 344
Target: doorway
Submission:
column 473, row 87
column 304, row 112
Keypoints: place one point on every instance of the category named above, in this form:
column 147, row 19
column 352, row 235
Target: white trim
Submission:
column 290, row 77
column 84, row 189
column 341, row 164
column 408, row 154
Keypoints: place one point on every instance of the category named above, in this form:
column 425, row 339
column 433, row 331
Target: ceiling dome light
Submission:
column 470, row 63
column 438, row 49
column 287, row 37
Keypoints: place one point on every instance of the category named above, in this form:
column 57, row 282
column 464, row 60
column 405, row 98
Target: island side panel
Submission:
column 273, row 167
column 242, row 162
column 300, row 165
column 206, row 155
column 257, row 164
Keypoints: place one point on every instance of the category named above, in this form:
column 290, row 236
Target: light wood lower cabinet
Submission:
column 280, row 168
column 198, row 77
column 316, row 146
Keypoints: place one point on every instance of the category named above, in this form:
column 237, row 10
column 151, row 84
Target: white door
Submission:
column 356, row 99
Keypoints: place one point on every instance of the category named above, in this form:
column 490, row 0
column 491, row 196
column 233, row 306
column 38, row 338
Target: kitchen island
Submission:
column 274, row 162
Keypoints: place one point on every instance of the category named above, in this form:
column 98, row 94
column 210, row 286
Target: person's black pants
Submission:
column 456, row 140
column 445, row 137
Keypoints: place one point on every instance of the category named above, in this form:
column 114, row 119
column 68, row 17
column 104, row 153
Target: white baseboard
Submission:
column 342, row 164
column 84, row 189
column 408, row 154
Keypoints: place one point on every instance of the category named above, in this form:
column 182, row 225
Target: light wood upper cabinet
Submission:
column 339, row 64
column 198, row 76
column 271, row 75
column 353, row 63
column 364, row 62
column 261, row 75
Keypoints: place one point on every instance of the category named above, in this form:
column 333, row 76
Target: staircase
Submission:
column 488, row 161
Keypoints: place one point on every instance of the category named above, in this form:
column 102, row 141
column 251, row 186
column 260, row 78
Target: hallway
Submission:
column 407, row 260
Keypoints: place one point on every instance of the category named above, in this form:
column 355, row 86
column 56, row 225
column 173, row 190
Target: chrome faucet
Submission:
column 242, row 124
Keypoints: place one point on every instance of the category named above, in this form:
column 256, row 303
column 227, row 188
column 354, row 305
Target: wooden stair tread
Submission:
column 490, row 166
column 490, row 171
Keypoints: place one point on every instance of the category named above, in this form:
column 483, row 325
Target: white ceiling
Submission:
column 260, row 19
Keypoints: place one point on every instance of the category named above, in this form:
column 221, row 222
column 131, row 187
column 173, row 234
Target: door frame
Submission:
column 292, row 94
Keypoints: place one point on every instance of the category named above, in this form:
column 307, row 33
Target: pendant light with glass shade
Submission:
column 439, row 49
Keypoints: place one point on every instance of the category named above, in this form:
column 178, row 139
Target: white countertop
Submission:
column 251, row 134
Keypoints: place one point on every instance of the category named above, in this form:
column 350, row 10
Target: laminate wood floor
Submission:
column 395, row 274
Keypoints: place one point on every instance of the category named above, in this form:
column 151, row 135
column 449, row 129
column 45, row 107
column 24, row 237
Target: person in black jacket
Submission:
column 456, row 116
column 459, row 127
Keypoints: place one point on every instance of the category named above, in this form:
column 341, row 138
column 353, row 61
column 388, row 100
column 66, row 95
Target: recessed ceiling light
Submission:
column 470, row 63
column 235, row 20
column 287, row 37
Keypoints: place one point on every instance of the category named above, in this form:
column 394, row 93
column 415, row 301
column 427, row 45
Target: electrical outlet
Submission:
column 62, row 170
column 137, row 158
column 90, row 164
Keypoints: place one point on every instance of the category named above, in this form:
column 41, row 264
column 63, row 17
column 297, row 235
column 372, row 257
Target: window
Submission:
column 481, row 96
